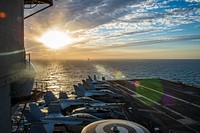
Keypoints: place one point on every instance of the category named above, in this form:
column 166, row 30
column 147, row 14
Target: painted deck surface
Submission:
column 161, row 104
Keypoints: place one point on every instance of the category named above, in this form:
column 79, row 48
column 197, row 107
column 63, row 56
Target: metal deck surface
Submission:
column 161, row 105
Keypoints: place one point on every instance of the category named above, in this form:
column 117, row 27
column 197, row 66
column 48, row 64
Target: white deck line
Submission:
column 154, row 102
column 171, row 117
column 185, row 101
column 185, row 92
column 177, row 113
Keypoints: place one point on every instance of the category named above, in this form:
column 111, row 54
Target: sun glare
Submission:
column 55, row 39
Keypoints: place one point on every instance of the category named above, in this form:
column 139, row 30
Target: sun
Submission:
column 55, row 39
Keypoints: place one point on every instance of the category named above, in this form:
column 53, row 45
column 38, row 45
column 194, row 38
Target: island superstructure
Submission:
column 16, row 71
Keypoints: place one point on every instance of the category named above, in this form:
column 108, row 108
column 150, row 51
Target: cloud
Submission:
column 164, row 40
column 117, row 23
column 145, row 42
column 130, row 33
column 192, row 0
column 131, row 14
column 92, row 13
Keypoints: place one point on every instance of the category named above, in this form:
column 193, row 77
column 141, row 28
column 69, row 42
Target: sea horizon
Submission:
column 63, row 74
column 108, row 59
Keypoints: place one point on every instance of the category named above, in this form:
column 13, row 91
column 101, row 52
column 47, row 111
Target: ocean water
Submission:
column 59, row 75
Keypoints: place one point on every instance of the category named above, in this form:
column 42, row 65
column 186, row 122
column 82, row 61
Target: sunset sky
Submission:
column 117, row 29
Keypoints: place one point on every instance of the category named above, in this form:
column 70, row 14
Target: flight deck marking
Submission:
column 161, row 106
column 153, row 101
column 184, row 92
column 193, row 104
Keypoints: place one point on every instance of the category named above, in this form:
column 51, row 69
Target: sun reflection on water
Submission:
column 53, row 77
